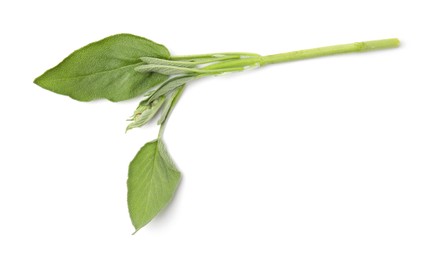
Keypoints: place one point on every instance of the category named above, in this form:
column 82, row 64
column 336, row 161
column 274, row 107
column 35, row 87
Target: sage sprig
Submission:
column 125, row 66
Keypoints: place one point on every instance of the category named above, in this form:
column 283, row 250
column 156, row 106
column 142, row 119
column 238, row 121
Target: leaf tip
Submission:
column 39, row 80
column 35, row 81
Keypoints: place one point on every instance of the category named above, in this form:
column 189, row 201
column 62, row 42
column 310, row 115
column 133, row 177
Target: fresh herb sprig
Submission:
column 125, row 66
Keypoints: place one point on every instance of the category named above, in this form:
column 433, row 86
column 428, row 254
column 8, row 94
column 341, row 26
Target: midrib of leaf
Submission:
column 96, row 73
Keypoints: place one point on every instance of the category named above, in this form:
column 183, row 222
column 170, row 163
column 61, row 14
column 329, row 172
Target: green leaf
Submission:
column 153, row 180
column 105, row 69
column 189, row 63
column 170, row 103
column 171, row 85
column 156, row 61
column 145, row 112
column 173, row 70
column 166, row 70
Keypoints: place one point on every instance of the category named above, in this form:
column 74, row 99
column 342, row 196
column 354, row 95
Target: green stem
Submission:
column 161, row 131
column 307, row 54
column 173, row 104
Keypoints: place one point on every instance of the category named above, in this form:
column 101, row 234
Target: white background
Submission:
column 331, row 158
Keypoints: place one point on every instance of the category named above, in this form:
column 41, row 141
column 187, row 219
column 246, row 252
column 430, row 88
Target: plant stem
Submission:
column 307, row 54
column 173, row 104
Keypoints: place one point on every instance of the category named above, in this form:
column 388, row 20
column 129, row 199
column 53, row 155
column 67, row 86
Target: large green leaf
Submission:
column 105, row 69
column 153, row 179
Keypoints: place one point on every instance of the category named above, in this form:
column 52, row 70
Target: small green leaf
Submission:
column 187, row 63
column 105, row 69
column 166, row 69
column 170, row 103
column 153, row 180
column 173, row 70
column 145, row 112
column 233, row 55
column 156, row 61
column 171, row 85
